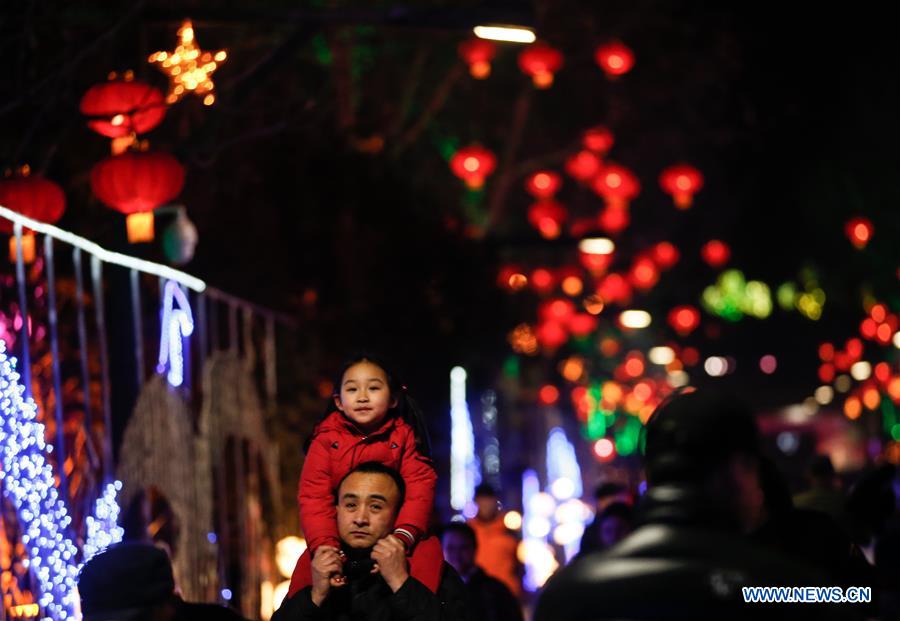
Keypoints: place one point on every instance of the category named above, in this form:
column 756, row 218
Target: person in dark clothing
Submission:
column 368, row 579
column 824, row 493
column 134, row 582
column 489, row 599
column 606, row 494
column 690, row 558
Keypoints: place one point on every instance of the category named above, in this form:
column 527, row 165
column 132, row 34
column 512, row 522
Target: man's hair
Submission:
column 376, row 467
column 463, row 529
column 486, row 489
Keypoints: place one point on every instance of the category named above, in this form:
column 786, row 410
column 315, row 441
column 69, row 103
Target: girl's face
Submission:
column 365, row 396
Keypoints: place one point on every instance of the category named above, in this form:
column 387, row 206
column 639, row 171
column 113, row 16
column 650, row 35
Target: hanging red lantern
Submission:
column 716, row 253
column 614, row 289
column 540, row 61
column 617, row 185
column 136, row 183
column 644, row 274
column 543, row 280
column 596, row 254
column 551, row 334
column 478, row 54
column 582, row 324
column 558, row 309
column 684, row 319
column 681, row 181
column 615, row 58
column 543, row 184
column 859, row 231
column 32, row 196
column 547, row 217
column 473, row 164
column 118, row 108
column 614, row 219
column 583, row 166
column 665, row 255
column 598, row 139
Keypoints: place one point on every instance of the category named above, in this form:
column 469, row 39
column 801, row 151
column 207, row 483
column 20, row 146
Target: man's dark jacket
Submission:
column 367, row 597
column 491, row 600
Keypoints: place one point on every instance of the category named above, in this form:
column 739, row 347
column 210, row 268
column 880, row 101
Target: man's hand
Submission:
column 327, row 572
column 389, row 555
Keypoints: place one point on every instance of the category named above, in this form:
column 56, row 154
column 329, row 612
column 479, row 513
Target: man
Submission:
column 368, row 578
column 134, row 581
column 496, row 551
column 690, row 559
column 606, row 494
column 489, row 599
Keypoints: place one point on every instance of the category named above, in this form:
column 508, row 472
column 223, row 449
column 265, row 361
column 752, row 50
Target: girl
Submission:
column 375, row 420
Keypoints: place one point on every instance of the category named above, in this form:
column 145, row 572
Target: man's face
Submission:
column 488, row 507
column 459, row 551
column 366, row 509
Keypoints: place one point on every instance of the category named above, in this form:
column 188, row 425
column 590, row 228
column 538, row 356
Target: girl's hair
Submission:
column 406, row 407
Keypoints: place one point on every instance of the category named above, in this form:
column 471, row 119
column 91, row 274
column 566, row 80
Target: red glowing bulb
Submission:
column 614, row 58
column 716, row 253
column 859, row 231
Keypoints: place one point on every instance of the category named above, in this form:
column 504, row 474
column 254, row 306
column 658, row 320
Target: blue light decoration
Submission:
column 102, row 527
column 464, row 468
column 177, row 324
column 564, row 476
column 28, row 481
column 534, row 551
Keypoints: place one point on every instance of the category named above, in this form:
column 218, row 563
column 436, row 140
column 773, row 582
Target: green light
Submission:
column 786, row 294
column 895, row 432
column 628, row 436
column 511, row 367
column 732, row 297
column 596, row 427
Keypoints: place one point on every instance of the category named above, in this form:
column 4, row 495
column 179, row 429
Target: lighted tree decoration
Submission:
column 189, row 68
column 29, row 483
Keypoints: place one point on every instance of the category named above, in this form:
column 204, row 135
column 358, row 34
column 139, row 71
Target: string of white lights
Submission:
column 107, row 256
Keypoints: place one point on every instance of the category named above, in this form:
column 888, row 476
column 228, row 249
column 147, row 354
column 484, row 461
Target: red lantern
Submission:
column 473, row 164
column 665, row 255
column 859, row 231
column 120, row 107
column 582, row 324
column 595, row 262
column 598, row 139
column 559, row 310
column 617, row 185
column 684, row 319
column 135, row 184
column 478, row 54
column 614, row 219
column 681, row 181
column 716, row 253
column 614, row 289
column 614, row 58
column 644, row 274
column 551, row 334
column 543, row 280
column 34, row 197
column 543, row 184
column 540, row 61
column 583, row 166
column 547, row 217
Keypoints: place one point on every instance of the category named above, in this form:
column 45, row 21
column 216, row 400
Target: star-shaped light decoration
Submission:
column 189, row 68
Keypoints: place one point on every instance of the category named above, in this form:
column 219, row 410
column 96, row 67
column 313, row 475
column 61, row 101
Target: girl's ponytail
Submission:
column 412, row 414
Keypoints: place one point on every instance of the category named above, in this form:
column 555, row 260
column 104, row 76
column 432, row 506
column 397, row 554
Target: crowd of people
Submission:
column 717, row 516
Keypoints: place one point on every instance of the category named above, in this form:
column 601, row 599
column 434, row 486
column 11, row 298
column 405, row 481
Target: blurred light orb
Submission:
column 512, row 520
column 716, row 366
column 768, row 364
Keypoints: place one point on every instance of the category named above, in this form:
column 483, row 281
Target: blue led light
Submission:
column 28, row 481
column 177, row 323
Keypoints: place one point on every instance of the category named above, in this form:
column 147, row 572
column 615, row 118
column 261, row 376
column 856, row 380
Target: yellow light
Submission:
column 661, row 355
column 183, row 70
column 635, row 319
column 24, row 610
column 596, row 245
column 572, row 286
column 511, row 34
column 852, row 408
column 512, row 520
column 209, row 100
column 861, row 371
column 280, row 593
column 824, row 395
column 573, row 368
column 593, row 304
column 28, row 246
column 140, row 227
column 287, row 551
column 871, row 398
